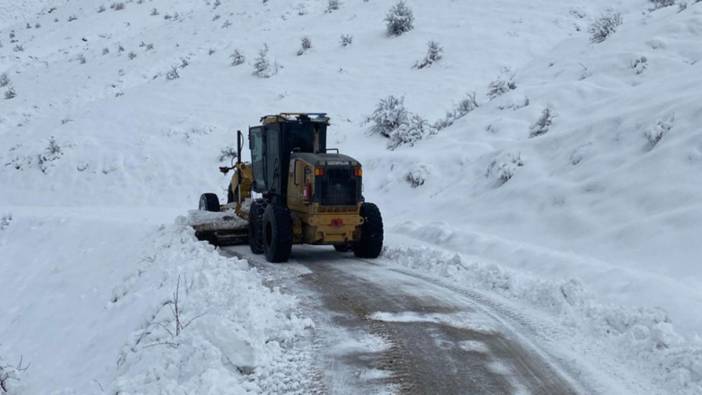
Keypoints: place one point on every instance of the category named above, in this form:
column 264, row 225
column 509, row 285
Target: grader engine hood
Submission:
column 327, row 179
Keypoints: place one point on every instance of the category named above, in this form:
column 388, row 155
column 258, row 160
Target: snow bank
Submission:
column 230, row 334
column 93, row 310
column 643, row 338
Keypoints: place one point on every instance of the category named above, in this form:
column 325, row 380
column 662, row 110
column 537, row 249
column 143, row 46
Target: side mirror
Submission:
column 224, row 169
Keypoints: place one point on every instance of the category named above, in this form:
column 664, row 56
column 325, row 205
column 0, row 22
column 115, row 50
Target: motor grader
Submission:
column 306, row 193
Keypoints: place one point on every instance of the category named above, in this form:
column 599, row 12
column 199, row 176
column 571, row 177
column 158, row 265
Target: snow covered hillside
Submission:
column 556, row 153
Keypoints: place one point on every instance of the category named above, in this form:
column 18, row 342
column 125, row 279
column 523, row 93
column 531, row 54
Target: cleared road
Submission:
column 381, row 329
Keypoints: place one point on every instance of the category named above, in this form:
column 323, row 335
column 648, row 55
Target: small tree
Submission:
column 262, row 66
column 433, row 55
column 605, row 26
column 388, row 115
column 399, row 19
column 4, row 80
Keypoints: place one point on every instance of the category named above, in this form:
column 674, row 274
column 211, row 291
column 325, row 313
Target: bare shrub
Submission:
column 346, row 40
column 10, row 374
column 433, row 55
column 4, row 80
column 5, row 221
column 237, row 58
column 305, row 44
column 417, row 177
column 399, row 19
column 661, row 3
column 639, row 65
column 468, row 104
column 117, row 6
column 332, row 6
column 655, row 134
column 605, row 26
column 503, row 168
column 177, row 311
column 543, row 124
column 499, row 87
column 390, row 119
column 172, row 74
column 411, row 132
column 10, row 93
column 228, row 154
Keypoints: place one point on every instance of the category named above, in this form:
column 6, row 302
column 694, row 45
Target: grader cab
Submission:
column 307, row 193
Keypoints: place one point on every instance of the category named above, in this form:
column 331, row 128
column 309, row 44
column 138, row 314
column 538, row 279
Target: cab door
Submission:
column 258, row 163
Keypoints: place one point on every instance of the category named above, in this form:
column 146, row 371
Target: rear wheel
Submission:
column 371, row 242
column 277, row 233
column 256, row 225
column 209, row 202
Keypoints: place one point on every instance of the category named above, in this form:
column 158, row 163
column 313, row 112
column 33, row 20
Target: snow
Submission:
column 595, row 221
column 105, row 287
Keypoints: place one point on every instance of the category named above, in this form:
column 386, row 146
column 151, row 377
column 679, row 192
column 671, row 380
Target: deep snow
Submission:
column 598, row 199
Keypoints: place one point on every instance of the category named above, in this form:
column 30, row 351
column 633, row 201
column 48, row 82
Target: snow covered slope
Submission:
column 121, row 112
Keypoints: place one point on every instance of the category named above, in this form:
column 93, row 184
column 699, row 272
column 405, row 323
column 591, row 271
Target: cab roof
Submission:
column 325, row 159
column 296, row 117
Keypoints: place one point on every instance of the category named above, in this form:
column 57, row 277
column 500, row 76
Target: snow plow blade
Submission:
column 219, row 228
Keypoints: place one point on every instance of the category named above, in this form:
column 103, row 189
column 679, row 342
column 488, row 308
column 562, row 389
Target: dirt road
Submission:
column 384, row 330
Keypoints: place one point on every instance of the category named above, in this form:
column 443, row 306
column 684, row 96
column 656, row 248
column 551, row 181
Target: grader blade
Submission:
column 220, row 228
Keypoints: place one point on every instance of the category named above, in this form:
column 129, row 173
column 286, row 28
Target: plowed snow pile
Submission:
column 554, row 146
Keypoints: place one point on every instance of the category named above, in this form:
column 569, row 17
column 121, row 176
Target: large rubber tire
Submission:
column 277, row 233
column 256, row 226
column 371, row 243
column 209, row 202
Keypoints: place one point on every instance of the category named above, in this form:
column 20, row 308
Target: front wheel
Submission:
column 277, row 233
column 371, row 242
column 209, row 202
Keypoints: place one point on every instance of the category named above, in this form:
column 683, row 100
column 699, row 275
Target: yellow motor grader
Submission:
column 307, row 193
